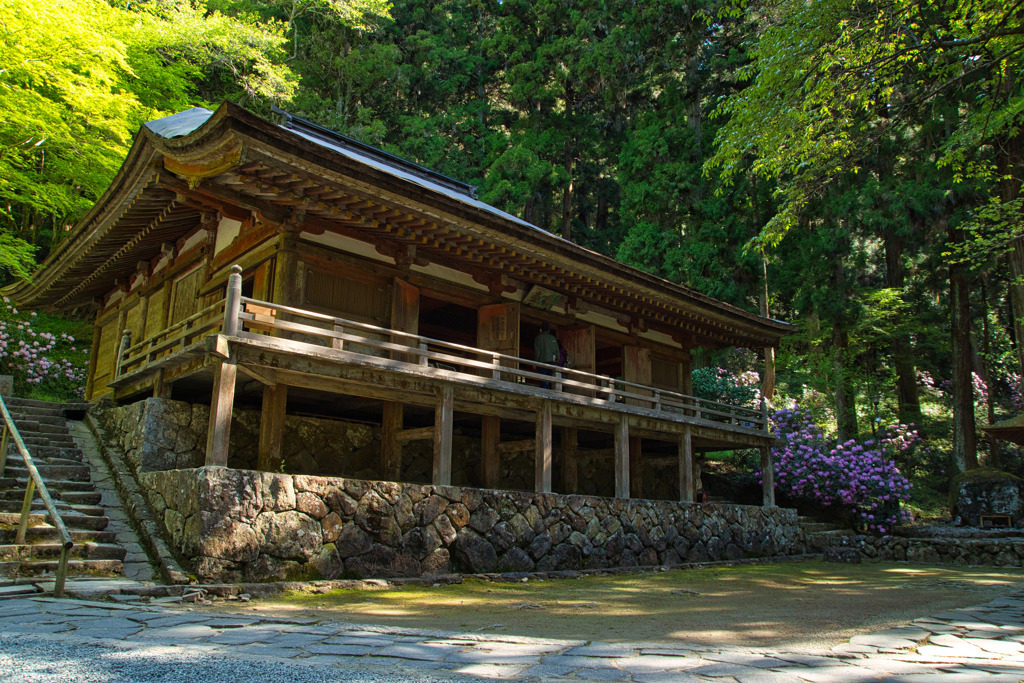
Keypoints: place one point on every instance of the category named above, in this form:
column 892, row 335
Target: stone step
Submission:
column 18, row 461
column 54, row 486
column 57, row 472
column 75, row 567
column 818, row 527
column 80, row 497
column 67, row 452
column 71, row 521
column 48, row 534
column 40, row 417
column 17, row 590
column 50, row 440
column 62, row 507
column 51, row 551
column 19, row 403
column 44, row 426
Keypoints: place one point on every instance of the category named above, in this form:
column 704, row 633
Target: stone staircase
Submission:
column 818, row 536
column 44, row 429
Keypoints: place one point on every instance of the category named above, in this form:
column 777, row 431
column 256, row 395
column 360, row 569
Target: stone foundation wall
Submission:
column 1003, row 552
column 236, row 525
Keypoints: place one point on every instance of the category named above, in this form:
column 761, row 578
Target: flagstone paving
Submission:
column 981, row 644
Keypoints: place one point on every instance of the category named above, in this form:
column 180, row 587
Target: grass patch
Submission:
column 811, row 605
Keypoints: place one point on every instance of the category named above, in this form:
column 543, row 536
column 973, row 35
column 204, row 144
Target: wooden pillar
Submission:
column 686, row 493
column 287, row 287
column 636, row 478
column 570, row 468
column 392, row 420
column 622, row 458
column 443, row 418
column 686, row 375
column 161, row 388
column 490, row 433
column 223, row 399
column 543, row 465
column 270, row 455
column 767, row 476
column 232, row 301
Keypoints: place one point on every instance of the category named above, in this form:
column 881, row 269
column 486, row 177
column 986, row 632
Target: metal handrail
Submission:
column 35, row 485
column 610, row 389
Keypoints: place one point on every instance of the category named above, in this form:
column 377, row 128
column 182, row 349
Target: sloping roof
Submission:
column 191, row 162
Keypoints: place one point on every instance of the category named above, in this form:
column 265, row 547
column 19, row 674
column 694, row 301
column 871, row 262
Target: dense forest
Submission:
column 852, row 166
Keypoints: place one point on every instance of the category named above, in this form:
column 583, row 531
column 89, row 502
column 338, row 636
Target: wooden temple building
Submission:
column 285, row 268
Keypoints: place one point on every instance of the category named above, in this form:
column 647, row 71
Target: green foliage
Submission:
column 80, row 76
column 47, row 355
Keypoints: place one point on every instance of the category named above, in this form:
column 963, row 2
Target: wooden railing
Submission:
column 256, row 318
column 248, row 317
column 35, row 486
column 167, row 341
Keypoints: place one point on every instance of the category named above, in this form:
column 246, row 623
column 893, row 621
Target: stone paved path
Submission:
column 982, row 644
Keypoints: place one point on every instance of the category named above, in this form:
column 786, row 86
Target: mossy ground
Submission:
column 809, row 605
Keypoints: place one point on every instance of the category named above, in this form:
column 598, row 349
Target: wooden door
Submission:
column 497, row 329
column 581, row 344
column 636, row 367
column 405, row 317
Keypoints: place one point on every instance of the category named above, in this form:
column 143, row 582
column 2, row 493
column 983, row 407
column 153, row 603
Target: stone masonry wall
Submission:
column 1003, row 552
column 243, row 525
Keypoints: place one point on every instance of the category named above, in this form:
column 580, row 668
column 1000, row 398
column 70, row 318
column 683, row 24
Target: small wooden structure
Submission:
column 238, row 260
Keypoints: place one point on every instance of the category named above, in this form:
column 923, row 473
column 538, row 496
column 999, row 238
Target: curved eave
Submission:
column 109, row 241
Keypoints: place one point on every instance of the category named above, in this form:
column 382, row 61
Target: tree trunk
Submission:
column 965, row 447
column 846, row 397
column 908, row 401
column 768, row 387
column 986, row 364
column 1009, row 160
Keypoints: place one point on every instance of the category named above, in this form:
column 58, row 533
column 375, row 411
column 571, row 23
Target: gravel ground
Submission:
column 30, row 659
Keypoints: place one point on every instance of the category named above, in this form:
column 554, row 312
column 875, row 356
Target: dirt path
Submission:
column 806, row 605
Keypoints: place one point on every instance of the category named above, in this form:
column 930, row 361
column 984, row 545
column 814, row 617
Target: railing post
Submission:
column 26, row 509
column 764, row 415
column 126, row 342
column 62, row 572
column 423, row 356
column 657, row 399
column 496, row 362
column 233, row 301
column 336, row 343
column 4, row 445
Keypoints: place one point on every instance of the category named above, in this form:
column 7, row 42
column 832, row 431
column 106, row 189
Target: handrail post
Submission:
column 233, row 301
column 26, row 508
column 126, row 341
column 496, row 361
column 423, row 356
column 764, row 415
column 4, row 445
column 62, row 572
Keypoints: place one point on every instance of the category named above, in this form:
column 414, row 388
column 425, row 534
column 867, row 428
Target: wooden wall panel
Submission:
column 108, row 340
column 636, row 367
column 347, row 297
column 185, row 295
column 156, row 313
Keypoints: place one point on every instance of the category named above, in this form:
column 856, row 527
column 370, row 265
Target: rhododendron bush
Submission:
column 859, row 478
column 48, row 364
